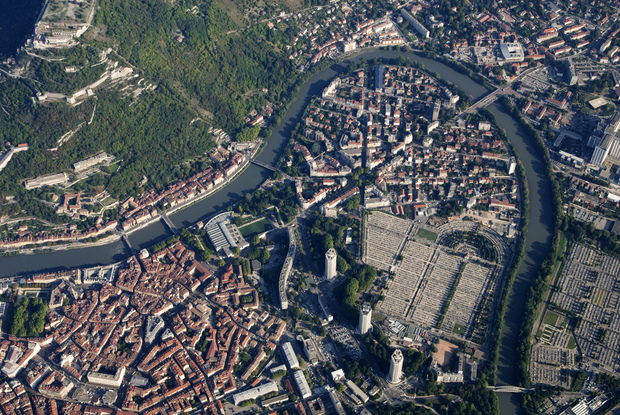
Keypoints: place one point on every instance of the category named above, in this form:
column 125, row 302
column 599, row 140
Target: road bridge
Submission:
column 169, row 224
column 263, row 165
column 128, row 243
column 488, row 100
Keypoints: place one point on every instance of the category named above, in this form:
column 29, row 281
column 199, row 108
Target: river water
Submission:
column 537, row 243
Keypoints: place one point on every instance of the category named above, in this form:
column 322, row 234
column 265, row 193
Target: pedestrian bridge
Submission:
column 508, row 389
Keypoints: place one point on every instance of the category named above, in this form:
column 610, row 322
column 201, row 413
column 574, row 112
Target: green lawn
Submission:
column 599, row 298
column 423, row 233
column 572, row 344
column 458, row 329
column 254, row 228
column 550, row 318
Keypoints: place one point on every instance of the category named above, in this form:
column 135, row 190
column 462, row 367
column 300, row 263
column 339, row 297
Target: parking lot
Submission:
column 342, row 336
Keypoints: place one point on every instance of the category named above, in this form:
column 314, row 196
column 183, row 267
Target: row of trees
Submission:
column 488, row 371
column 541, row 283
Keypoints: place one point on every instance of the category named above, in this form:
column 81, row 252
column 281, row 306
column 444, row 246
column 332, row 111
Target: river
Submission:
column 540, row 215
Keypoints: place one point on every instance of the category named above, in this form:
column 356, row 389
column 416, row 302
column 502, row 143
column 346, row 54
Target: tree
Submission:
column 342, row 265
column 248, row 134
column 221, row 263
column 264, row 256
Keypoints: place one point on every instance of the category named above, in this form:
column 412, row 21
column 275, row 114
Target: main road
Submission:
column 540, row 219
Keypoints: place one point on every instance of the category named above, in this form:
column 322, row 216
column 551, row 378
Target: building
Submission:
column 336, row 402
column 279, row 368
column 512, row 166
column 435, row 110
column 289, row 355
column 302, row 384
column 275, row 400
column 325, row 308
column 511, row 52
column 330, row 263
column 311, row 351
column 103, row 379
column 154, row 324
column 570, row 73
column 356, row 391
column 286, row 267
column 349, row 46
column 601, row 151
column 255, row 393
column 605, row 45
column 223, row 233
column 365, row 320
column 396, row 367
column 422, row 31
column 89, row 162
column 49, row 180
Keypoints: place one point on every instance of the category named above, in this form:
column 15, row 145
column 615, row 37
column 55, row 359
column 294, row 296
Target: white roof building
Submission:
column 255, row 393
column 302, row 384
column 289, row 355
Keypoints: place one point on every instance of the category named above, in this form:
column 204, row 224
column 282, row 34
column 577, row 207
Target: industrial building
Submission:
column 330, row 263
column 365, row 321
column 396, row 367
column 289, row 355
column 255, row 393
column 302, row 384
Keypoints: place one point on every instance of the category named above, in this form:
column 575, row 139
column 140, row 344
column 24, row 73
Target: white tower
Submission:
column 365, row 322
column 396, row 367
column 330, row 264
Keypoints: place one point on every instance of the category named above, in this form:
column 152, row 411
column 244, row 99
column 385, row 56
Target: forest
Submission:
column 151, row 137
column 213, row 65
column 28, row 317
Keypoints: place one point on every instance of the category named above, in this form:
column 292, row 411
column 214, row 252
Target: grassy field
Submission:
column 254, row 228
column 423, row 233
column 572, row 344
column 599, row 298
column 550, row 318
column 458, row 329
